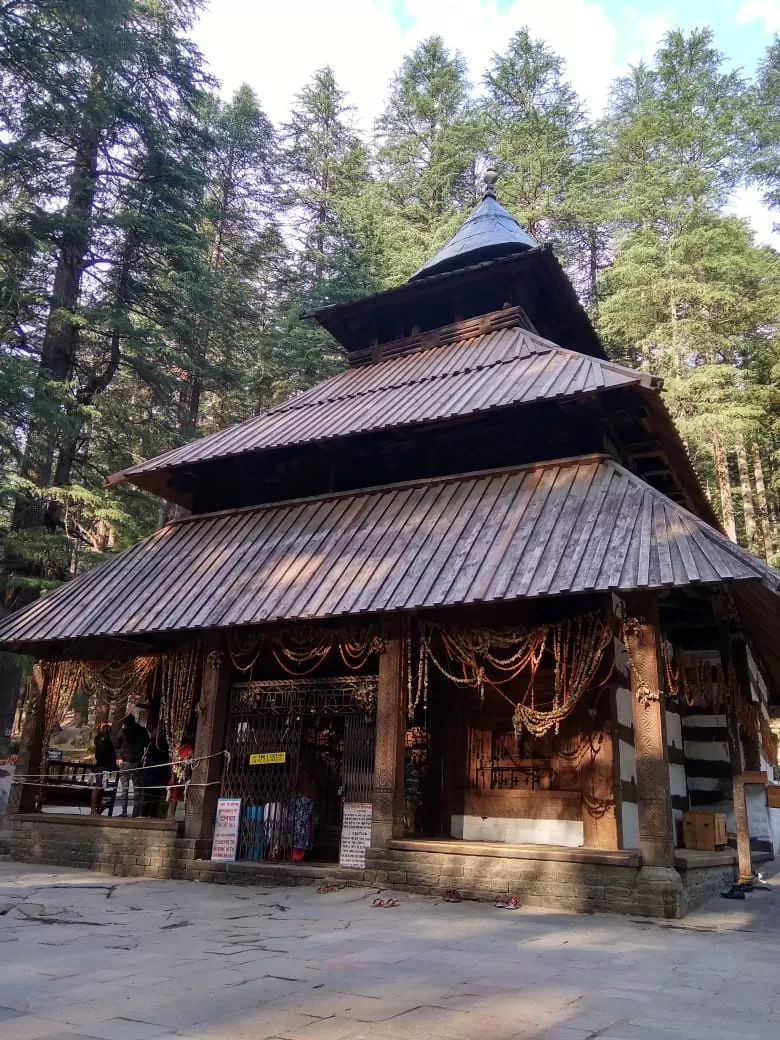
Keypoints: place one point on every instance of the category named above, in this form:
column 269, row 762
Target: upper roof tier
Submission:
column 490, row 232
column 495, row 368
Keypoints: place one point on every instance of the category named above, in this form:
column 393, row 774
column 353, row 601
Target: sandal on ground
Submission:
column 378, row 903
column 506, row 904
column 391, row 902
column 324, row 889
column 451, row 895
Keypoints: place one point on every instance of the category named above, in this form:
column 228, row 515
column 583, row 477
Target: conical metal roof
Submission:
column 489, row 232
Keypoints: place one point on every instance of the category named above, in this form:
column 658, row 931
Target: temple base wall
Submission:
column 127, row 848
column 579, row 880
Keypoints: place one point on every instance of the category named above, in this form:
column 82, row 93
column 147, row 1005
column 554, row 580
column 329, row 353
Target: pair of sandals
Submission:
column 384, row 904
column 323, row 890
column 510, row 903
column 758, row 883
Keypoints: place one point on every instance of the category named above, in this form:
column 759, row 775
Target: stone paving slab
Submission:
column 89, row 957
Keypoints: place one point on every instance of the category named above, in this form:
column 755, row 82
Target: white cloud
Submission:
column 766, row 11
column 275, row 47
column 746, row 203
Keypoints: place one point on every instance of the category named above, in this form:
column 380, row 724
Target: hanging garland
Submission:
column 578, row 647
column 178, row 673
column 63, row 680
column 128, row 679
column 768, row 740
column 476, row 658
column 299, row 651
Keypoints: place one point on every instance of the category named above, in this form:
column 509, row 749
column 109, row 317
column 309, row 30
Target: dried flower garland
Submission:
column 299, row 651
column 632, row 633
column 103, row 683
column 576, row 646
column 178, row 675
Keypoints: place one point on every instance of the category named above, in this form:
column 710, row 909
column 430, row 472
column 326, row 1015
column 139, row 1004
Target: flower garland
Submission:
column 577, row 648
column 299, row 651
column 632, row 631
column 178, row 674
column 63, row 680
column 103, row 683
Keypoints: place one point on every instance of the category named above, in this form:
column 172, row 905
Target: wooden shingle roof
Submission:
column 506, row 367
column 565, row 527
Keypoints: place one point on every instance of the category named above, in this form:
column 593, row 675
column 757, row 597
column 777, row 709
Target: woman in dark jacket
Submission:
column 131, row 744
column 105, row 762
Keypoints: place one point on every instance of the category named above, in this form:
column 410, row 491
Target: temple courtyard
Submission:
column 90, row 955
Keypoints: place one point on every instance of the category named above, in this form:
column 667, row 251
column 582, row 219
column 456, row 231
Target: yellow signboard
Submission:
column 268, row 758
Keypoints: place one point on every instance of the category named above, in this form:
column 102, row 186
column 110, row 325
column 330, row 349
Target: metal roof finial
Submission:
column 490, row 177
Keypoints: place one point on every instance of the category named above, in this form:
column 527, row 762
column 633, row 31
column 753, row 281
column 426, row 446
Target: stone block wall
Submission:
column 704, row 883
column 152, row 849
column 570, row 880
column 554, row 884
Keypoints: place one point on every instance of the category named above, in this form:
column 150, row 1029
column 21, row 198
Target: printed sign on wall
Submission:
column 268, row 758
column 355, row 834
column 223, row 847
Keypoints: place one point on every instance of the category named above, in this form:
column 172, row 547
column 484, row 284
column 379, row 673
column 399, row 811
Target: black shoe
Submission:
column 735, row 892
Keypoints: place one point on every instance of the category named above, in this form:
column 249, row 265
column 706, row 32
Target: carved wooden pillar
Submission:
column 597, row 782
column 387, row 818
column 212, row 713
column 654, row 798
column 738, row 792
column 24, row 797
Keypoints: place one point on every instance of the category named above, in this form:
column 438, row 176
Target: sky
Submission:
column 276, row 45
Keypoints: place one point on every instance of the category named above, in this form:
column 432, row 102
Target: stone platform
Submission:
column 582, row 880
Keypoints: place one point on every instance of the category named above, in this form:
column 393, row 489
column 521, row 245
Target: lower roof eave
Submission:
column 119, row 645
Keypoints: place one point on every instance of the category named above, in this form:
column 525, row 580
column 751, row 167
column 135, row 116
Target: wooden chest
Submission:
column 705, row 831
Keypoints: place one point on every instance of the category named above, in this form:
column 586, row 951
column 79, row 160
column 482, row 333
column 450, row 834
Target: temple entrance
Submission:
column 299, row 750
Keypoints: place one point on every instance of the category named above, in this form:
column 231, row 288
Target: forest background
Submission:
column 160, row 246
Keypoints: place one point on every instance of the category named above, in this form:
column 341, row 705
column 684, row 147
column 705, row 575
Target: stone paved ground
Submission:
column 87, row 955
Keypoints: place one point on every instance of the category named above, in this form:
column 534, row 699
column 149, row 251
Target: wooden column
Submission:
column 25, row 797
column 600, row 792
column 740, row 806
column 654, row 798
column 387, row 820
column 212, row 710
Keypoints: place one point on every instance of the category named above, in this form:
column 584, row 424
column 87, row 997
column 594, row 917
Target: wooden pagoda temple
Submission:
column 466, row 598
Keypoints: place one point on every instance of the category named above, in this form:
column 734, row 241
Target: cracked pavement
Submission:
column 83, row 955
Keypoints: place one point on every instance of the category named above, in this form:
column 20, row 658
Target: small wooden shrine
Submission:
column 460, row 617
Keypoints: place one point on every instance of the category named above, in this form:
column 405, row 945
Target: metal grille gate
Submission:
column 281, row 718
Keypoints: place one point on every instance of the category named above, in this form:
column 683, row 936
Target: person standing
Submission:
column 105, row 762
column 156, row 773
column 131, row 744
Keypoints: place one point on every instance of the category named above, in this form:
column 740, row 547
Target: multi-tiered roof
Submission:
column 479, row 448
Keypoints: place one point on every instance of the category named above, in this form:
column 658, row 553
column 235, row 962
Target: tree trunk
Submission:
column 763, row 507
column 748, row 510
column 60, row 341
column 98, row 381
column 724, row 484
column 593, row 273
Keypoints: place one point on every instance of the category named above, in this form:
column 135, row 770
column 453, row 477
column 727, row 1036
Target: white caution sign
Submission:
column 226, row 824
column 355, row 834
